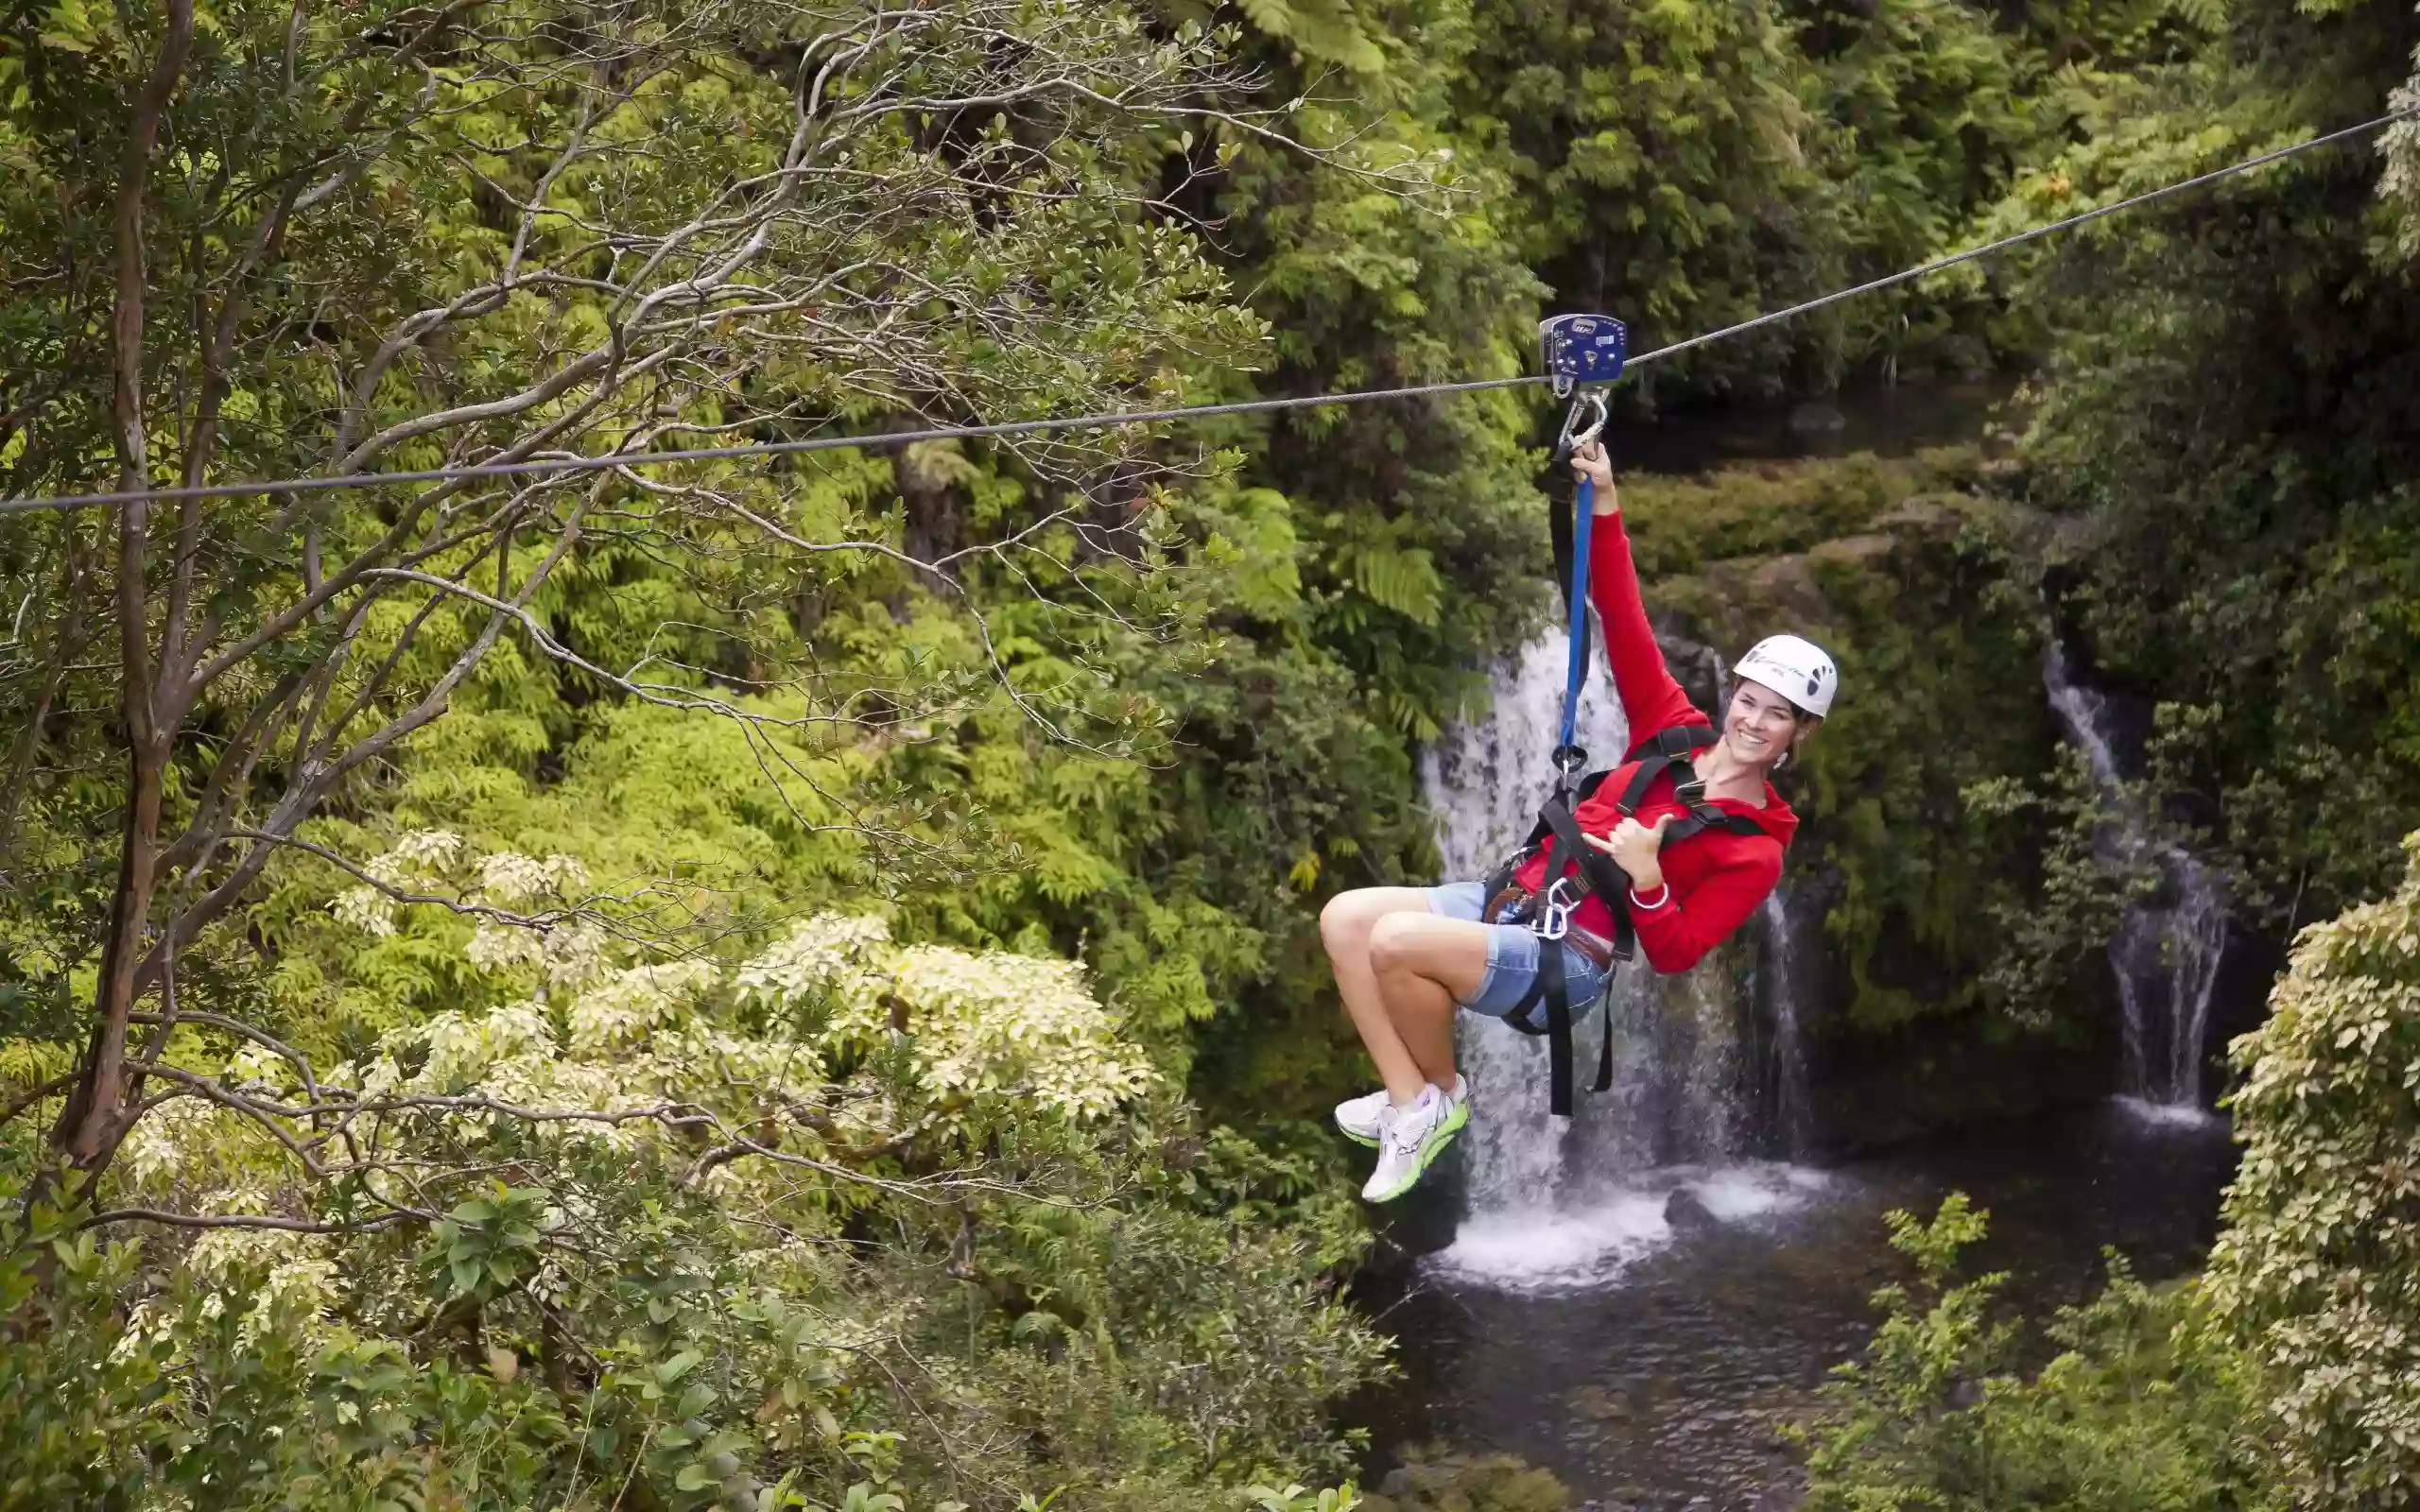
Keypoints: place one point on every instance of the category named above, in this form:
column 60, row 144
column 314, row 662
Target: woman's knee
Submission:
column 1347, row 918
column 1398, row 942
column 1451, row 952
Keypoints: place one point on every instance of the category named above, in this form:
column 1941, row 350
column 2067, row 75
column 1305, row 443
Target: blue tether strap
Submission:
column 1576, row 675
column 1569, row 759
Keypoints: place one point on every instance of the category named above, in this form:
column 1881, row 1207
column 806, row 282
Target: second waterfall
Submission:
column 1553, row 1201
column 2168, row 951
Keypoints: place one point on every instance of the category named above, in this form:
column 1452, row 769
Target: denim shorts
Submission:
column 1513, row 954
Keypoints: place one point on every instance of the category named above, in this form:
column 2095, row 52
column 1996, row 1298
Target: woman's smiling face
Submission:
column 1760, row 724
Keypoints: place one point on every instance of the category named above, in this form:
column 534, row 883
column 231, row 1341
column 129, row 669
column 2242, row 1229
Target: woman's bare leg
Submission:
column 1399, row 969
column 1424, row 963
column 1345, row 927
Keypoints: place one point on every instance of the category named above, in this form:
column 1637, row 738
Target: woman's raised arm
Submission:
column 1651, row 700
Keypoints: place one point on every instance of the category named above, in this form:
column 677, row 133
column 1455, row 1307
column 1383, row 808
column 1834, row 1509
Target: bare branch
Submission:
column 31, row 1095
column 249, row 1220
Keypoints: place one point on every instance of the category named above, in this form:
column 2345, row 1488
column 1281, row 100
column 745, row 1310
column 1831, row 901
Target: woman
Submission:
column 1405, row 958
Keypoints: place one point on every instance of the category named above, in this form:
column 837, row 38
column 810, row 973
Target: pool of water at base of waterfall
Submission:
column 1649, row 1363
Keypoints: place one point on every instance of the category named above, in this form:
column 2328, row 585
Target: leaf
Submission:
column 69, row 27
column 679, row 1366
column 1264, row 578
column 1402, row 579
column 1304, row 873
column 1322, row 30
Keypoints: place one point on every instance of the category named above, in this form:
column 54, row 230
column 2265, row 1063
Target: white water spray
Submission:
column 2165, row 955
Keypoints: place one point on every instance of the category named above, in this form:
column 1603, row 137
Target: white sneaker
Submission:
column 1358, row 1116
column 1409, row 1137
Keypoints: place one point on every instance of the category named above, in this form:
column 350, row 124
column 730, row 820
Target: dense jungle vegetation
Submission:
column 793, row 982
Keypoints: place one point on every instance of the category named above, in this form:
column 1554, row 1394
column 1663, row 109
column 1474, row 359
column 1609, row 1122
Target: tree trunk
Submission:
column 96, row 1117
column 91, row 1125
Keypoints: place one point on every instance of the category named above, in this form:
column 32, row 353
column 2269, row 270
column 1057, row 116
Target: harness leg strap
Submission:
column 1558, row 998
column 1605, row 1046
column 1553, row 989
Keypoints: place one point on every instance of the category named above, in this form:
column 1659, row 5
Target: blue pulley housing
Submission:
column 1582, row 348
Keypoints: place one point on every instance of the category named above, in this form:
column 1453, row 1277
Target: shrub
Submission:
column 2320, row 1258
column 2146, row 1408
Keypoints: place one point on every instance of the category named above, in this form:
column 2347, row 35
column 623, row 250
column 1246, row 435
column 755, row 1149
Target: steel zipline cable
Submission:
column 1247, row 406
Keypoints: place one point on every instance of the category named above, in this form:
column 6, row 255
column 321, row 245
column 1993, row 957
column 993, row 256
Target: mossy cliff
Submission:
column 1946, row 850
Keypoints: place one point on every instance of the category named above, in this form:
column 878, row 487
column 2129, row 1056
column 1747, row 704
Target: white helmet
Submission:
column 1795, row 669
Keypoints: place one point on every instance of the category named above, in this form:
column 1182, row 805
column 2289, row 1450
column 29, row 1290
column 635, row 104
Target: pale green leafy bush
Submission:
column 2400, row 184
column 2319, row 1259
column 839, row 1222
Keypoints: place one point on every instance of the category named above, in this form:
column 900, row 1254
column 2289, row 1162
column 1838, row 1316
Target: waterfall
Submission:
column 1484, row 781
column 1564, row 1201
column 2165, row 955
column 1793, row 1114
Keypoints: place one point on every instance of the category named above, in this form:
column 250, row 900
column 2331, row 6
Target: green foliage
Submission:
column 223, row 1392
column 847, row 1222
column 1926, row 111
column 1679, row 526
column 2050, row 937
column 1325, row 31
column 1296, row 1498
column 1663, row 159
column 1694, row 165
column 216, row 1394
column 590, row 229
column 2148, row 1406
column 960, row 1291
column 2400, row 184
column 2317, row 1258
column 2226, row 432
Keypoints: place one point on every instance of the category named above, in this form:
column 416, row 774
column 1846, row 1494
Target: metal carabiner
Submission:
column 1570, row 441
column 1554, row 912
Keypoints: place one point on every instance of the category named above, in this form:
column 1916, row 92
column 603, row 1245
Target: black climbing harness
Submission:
column 1587, row 349
column 1546, row 1007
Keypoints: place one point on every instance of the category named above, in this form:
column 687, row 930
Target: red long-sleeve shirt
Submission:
column 1717, row 878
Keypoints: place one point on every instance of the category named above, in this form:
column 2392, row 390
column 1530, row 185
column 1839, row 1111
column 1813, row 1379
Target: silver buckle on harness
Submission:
column 1554, row 912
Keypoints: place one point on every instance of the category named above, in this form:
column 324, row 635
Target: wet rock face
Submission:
column 1698, row 667
column 1686, row 1212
